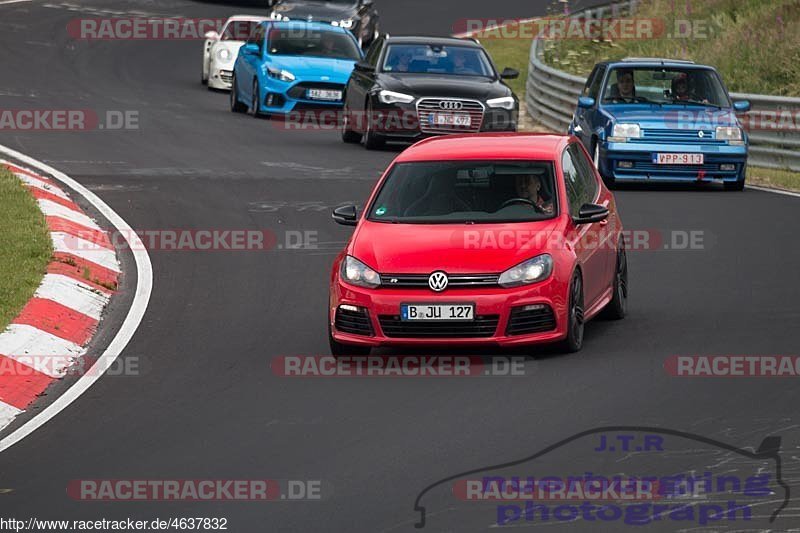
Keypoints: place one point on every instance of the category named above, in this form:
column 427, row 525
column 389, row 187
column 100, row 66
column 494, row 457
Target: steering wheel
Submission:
column 512, row 201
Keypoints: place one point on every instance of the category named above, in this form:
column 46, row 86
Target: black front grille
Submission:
column 226, row 76
column 298, row 92
column 482, row 326
column 454, row 281
column 355, row 322
column 523, row 321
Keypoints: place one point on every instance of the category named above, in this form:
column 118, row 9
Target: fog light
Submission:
column 727, row 167
column 625, row 164
column 352, row 308
column 535, row 307
column 270, row 98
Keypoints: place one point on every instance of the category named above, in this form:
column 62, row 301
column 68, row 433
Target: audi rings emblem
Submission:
column 451, row 105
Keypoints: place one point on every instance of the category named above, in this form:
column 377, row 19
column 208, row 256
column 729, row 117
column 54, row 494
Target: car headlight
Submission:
column 622, row 132
column 278, row 74
column 391, row 97
column 344, row 23
column 506, row 102
column 728, row 133
column 537, row 269
column 223, row 54
column 355, row 272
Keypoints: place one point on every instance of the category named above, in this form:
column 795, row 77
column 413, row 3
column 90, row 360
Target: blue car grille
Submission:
column 676, row 136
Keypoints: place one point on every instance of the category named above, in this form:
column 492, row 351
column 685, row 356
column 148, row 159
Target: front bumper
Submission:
column 403, row 122
column 383, row 309
column 280, row 98
column 639, row 157
column 220, row 76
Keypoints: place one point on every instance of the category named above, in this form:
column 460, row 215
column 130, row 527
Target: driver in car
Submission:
column 680, row 89
column 460, row 63
column 529, row 187
column 624, row 89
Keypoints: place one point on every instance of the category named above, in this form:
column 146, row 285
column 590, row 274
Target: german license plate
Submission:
column 323, row 94
column 450, row 119
column 678, row 159
column 463, row 312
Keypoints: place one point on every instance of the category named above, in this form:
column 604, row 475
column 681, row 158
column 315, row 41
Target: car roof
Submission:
column 631, row 62
column 238, row 18
column 487, row 146
column 429, row 39
column 303, row 24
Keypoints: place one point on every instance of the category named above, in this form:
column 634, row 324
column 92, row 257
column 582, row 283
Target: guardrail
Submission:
column 551, row 97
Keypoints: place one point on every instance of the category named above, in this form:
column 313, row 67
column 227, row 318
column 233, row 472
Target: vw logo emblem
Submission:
column 701, row 134
column 437, row 281
column 450, row 105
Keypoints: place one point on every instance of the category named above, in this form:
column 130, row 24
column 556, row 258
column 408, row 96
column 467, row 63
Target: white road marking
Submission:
column 43, row 185
column 52, row 209
column 73, row 294
column 144, row 286
column 85, row 249
column 7, row 414
column 4, row 2
column 38, row 349
column 776, row 191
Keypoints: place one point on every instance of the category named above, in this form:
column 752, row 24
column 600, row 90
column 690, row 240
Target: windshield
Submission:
column 300, row 42
column 441, row 192
column 432, row 59
column 238, row 30
column 664, row 86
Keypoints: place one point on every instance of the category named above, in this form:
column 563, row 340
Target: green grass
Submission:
column 512, row 53
column 754, row 44
column 25, row 246
column 777, row 179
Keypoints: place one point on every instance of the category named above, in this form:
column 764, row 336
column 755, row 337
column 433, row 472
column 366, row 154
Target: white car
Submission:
column 220, row 50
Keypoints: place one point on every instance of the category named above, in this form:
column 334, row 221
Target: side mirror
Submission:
column 211, row 35
column 363, row 66
column 250, row 49
column 509, row 74
column 345, row 215
column 586, row 102
column 742, row 105
column 591, row 213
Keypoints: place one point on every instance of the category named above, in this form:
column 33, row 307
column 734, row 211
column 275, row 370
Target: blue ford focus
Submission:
column 287, row 66
column 661, row 120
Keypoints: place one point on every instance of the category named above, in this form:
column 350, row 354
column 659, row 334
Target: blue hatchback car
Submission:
column 295, row 65
column 647, row 119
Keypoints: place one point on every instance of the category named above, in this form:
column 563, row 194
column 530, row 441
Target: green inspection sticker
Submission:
column 380, row 211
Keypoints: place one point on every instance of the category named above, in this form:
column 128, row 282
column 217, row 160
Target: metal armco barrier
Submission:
column 551, row 97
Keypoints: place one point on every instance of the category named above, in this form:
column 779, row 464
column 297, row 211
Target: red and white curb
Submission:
column 53, row 329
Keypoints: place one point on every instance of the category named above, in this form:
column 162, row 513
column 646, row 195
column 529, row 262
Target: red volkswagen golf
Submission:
column 491, row 239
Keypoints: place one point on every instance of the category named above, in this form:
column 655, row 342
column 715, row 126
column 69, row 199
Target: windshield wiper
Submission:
column 695, row 102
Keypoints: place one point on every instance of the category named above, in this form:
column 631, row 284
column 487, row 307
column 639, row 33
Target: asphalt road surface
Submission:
column 208, row 405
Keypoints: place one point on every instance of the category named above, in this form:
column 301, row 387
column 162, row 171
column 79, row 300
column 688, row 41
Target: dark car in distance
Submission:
column 358, row 16
column 408, row 88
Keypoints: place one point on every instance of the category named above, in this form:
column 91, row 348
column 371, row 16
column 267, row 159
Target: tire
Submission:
column 236, row 105
column 338, row 349
column 737, row 185
column 617, row 308
column 575, row 317
column 609, row 181
column 255, row 103
column 349, row 136
column 372, row 141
